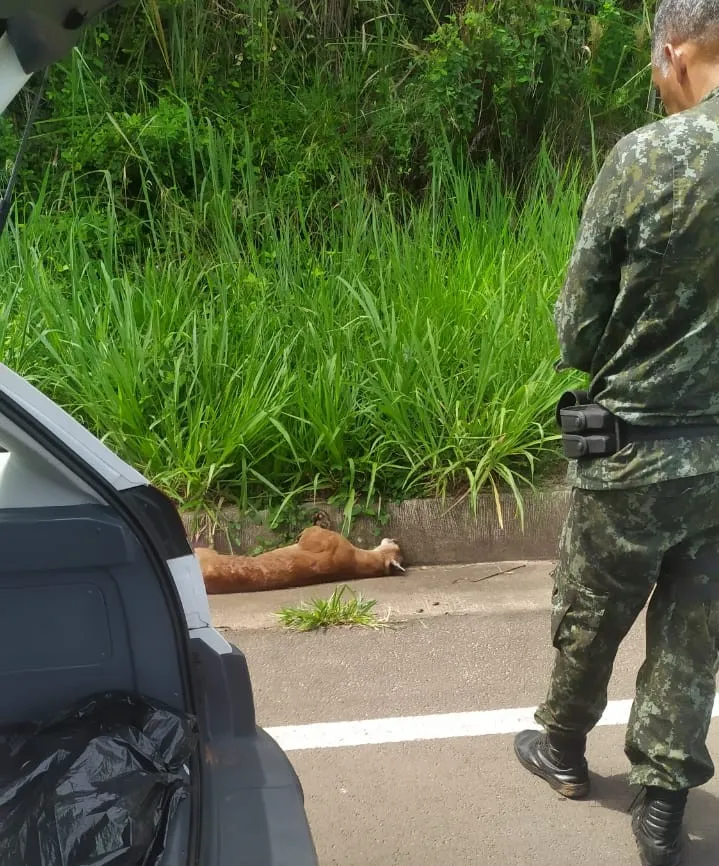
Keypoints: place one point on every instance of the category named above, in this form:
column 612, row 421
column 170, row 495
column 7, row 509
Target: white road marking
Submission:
column 373, row 732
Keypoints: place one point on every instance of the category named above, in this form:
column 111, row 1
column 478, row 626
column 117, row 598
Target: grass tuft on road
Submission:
column 333, row 611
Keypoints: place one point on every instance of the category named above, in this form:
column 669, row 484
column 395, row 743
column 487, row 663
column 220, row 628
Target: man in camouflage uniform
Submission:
column 639, row 313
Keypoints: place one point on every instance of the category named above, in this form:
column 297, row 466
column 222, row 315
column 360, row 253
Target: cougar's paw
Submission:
column 392, row 554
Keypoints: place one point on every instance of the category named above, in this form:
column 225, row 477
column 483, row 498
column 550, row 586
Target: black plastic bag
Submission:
column 96, row 786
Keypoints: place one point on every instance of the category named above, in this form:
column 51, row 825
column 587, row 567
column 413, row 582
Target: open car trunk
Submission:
column 102, row 606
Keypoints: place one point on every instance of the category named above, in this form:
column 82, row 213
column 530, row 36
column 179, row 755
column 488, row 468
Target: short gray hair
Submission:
column 685, row 20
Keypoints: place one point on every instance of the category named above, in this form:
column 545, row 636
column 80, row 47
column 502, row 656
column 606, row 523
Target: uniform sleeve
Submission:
column 594, row 274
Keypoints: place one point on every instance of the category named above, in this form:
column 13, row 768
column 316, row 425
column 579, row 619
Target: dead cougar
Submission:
column 319, row 556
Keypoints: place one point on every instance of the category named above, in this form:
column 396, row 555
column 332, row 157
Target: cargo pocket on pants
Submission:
column 577, row 617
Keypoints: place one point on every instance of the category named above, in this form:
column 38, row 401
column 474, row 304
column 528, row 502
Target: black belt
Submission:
column 590, row 430
column 642, row 433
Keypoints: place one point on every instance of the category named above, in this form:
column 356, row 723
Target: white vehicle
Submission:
column 100, row 594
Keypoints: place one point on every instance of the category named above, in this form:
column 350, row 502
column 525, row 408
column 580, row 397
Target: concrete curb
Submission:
column 429, row 532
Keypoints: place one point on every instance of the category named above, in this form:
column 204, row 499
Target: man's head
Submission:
column 685, row 51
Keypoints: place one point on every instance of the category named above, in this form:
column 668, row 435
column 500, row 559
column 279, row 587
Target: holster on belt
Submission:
column 588, row 429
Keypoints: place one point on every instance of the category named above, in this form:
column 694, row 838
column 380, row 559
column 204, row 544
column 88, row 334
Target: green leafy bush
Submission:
column 383, row 91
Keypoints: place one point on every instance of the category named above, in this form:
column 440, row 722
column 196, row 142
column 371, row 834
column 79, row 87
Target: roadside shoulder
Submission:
column 425, row 591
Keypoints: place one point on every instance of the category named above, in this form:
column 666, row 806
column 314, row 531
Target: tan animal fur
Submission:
column 319, row 556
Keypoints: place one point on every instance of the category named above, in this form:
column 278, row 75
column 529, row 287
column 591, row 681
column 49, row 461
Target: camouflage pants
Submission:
column 619, row 549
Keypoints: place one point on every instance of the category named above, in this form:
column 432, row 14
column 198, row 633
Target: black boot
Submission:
column 657, row 825
column 556, row 758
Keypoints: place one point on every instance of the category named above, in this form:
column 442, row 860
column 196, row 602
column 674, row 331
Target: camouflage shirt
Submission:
column 639, row 310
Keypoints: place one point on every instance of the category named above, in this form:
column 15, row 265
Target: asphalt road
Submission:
column 449, row 802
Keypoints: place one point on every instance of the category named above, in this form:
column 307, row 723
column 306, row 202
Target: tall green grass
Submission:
column 247, row 347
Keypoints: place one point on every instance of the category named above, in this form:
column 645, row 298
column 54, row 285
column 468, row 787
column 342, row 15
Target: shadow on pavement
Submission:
column 613, row 792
